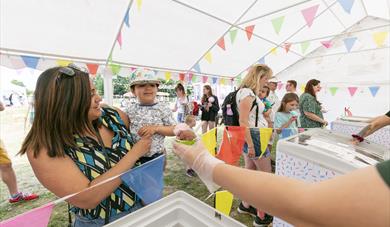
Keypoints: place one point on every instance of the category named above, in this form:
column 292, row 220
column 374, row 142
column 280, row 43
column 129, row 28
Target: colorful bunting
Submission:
column 374, row 90
column 327, row 44
column 274, row 51
column 221, row 43
column 222, row 81
column 277, row 24
column 204, row 79
column 261, row 60
column 139, row 4
column 190, row 75
column 233, row 34
column 197, row 67
column 208, row 57
column 249, row 31
column 223, row 202
column 168, row 75
column 232, row 143
column 286, row 132
column 349, row 42
column 19, row 63
column 63, row 62
column 333, row 90
column 119, row 39
column 352, row 90
column 309, row 14
column 379, row 38
column 115, row 68
column 127, row 18
column 265, row 136
column 304, row 46
column 194, row 78
column 214, row 80
column 147, row 180
column 38, row 217
column 303, row 88
column 209, row 140
column 30, row 61
column 287, row 47
column 280, row 85
column 92, row 68
column 181, row 76
column 347, row 5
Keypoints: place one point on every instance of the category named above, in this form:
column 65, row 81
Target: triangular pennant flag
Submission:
column 119, row 39
column 209, row 140
column 147, row 180
column 197, row 67
column 181, row 76
column 233, row 34
column 92, row 68
column 214, row 80
column 265, row 136
column 168, row 75
column 303, row 88
column 204, row 79
column 349, row 42
column 374, row 90
column 309, row 14
column 127, row 18
column 232, row 143
column 347, row 5
column 327, row 44
column 115, row 68
column 38, row 217
column 249, row 31
column 223, row 202
column 222, row 81
column 208, row 57
column 287, row 47
column 333, row 90
column 277, row 24
column 352, row 90
column 139, row 4
column 286, row 132
column 190, row 75
column 221, row 43
column 63, row 63
column 379, row 38
column 30, row 61
column 274, row 50
column 18, row 63
column 261, row 60
column 280, row 85
column 195, row 78
column 304, row 46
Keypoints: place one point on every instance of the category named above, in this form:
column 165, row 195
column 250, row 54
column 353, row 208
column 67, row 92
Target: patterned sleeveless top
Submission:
column 92, row 160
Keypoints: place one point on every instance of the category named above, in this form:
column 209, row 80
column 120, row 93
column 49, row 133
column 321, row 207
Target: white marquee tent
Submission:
column 299, row 39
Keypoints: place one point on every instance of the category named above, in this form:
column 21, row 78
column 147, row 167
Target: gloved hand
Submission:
column 200, row 160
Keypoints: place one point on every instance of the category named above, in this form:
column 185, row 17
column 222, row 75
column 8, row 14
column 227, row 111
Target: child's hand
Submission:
column 147, row 130
column 293, row 118
column 186, row 135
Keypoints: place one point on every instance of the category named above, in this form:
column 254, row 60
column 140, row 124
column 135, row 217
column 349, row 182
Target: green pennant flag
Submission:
column 304, row 46
column 233, row 34
column 194, row 78
column 277, row 24
column 115, row 68
column 333, row 90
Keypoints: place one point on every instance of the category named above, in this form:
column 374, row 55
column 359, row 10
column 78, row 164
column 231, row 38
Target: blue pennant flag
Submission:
column 374, row 90
column 127, row 18
column 349, row 42
column 347, row 5
column 286, row 132
column 147, row 180
column 214, row 80
column 197, row 67
column 30, row 61
column 261, row 60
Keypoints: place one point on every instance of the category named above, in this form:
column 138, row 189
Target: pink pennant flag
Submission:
column 221, row 43
column 17, row 63
column 352, row 90
column 327, row 44
column 280, row 85
column 119, row 39
column 287, row 47
column 309, row 14
column 190, row 75
column 204, row 79
column 249, row 31
column 38, row 217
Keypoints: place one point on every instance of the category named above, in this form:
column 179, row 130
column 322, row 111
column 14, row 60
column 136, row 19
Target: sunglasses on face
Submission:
column 69, row 71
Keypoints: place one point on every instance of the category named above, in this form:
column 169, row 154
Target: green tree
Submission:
column 17, row 82
column 120, row 85
column 99, row 84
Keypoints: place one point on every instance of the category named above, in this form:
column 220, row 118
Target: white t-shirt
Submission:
column 181, row 104
column 261, row 122
column 273, row 98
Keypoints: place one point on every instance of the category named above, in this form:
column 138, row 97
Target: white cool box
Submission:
column 320, row 154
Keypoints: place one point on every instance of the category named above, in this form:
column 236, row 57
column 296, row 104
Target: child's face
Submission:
column 263, row 93
column 192, row 123
column 291, row 106
column 146, row 93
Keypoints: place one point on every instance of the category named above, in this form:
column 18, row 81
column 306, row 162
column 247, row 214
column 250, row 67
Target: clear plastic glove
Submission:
column 200, row 160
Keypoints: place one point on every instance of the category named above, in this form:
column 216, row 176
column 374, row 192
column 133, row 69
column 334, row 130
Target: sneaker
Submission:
column 258, row 222
column 22, row 197
column 190, row 173
column 250, row 210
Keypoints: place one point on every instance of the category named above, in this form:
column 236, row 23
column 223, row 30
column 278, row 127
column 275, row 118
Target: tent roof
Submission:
column 177, row 35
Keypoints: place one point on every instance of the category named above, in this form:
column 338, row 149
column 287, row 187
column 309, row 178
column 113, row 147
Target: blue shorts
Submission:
column 180, row 117
column 255, row 134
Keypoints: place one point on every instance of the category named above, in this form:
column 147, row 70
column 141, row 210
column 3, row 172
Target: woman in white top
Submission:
column 249, row 105
column 181, row 103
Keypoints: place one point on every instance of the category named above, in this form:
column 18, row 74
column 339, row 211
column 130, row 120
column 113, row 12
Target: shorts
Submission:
column 4, row 159
column 180, row 117
column 255, row 134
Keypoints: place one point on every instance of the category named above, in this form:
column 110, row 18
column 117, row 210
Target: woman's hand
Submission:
column 149, row 130
column 251, row 152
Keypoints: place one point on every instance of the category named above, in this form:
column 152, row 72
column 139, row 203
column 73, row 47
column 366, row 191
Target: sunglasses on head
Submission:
column 69, row 71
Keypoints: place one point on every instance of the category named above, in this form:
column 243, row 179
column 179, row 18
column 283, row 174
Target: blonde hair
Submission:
column 189, row 119
column 256, row 72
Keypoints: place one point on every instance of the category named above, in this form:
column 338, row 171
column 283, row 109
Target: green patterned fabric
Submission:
column 308, row 103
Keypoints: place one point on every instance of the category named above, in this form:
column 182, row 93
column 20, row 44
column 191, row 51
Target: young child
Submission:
column 264, row 92
column 286, row 117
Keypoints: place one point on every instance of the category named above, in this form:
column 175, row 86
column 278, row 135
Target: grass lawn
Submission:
column 12, row 133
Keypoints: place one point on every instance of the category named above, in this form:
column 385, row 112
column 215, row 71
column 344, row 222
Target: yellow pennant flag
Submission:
column 222, row 81
column 223, row 202
column 209, row 140
column 265, row 136
column 303, row 88
column 168, row 75
column 379, row 38
column 274, row 50
column 63, row 63
column 139, row 4
column 208, row 57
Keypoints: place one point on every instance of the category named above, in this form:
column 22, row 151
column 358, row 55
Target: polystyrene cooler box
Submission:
column 176, row 210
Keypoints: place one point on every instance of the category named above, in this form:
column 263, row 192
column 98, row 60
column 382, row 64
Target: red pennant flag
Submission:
column 221, row 43
column 119, row 39
column 181, row 76
column 232, row 144
column 287, row 47
column 92, row 68
column 249, row 31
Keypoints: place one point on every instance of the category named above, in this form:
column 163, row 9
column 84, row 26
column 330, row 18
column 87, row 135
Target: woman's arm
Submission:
column 314, row 117
column 374, row 125
column 215, row 106
column 244, row 110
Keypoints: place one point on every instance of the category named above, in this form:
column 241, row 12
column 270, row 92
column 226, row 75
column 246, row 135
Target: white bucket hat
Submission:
column 144, row 76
